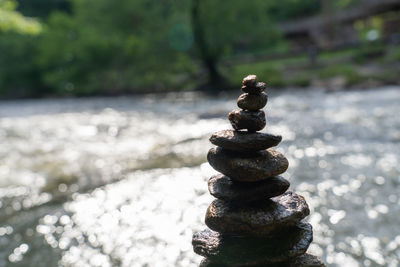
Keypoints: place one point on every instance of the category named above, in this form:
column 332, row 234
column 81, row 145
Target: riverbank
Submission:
column 369, row 66
column 364, row 67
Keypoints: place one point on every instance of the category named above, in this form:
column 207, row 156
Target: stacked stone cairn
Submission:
column 254, row 220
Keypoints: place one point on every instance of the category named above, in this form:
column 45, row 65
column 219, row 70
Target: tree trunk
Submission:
column 209, row 60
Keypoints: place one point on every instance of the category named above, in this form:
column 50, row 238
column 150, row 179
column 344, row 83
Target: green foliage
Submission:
column 42, row 8
column 109, row 48
column 368, row 52
column 19, row 73
column 348, row 71
column 395, row 54
column 336, row 70
column 86, row 47
column 290, row 9
column 11, row 20
column 236, row 25
column 300, row 80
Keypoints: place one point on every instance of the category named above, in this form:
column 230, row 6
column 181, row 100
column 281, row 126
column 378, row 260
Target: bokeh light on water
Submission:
column 122, row 181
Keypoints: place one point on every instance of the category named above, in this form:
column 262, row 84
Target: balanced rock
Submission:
column 234, row 250
column 251, row 120
column 244, row 141
column 252, row 102
column 257, row 89
column 253, row 167
column 259, row 218
column 222, row 187
column 250, row 80
column 253, row 221
column 305, row 260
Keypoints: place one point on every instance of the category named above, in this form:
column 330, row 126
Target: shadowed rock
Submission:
column 305, row 260
column 222, row 187
column 244, row 141
column 259, row 218
column 251, row 120
column 252, row 102
column 253, row 250
column 256, row 89
column 248, row 168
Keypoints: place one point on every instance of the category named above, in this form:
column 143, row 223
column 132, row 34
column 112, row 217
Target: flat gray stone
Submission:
column 259, row 218
column 244, row 167
column 305, row 260
column 233, row 250
column 251, row 120
column 224, row 188
column 244, row 141
column 252, row 102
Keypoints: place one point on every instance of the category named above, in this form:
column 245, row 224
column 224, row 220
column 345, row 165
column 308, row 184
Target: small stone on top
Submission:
column 250, row 80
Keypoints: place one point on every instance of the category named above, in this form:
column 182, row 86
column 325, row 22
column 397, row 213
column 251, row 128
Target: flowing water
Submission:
column 122, row 181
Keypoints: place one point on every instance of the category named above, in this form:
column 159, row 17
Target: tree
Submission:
column 222, row 28
column 108, row 47
column 11, row 20
column 42, row 8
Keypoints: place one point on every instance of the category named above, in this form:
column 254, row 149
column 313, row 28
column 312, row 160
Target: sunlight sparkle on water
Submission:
column 122, row 181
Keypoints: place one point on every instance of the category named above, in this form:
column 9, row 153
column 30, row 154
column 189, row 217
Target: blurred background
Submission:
column 107, row 107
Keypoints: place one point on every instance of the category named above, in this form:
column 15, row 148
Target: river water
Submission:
column 122, row 181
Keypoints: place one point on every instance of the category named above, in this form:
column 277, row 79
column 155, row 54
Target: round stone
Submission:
column 250, row 167
column 250, row 80
column 244, row 141
column 262, row 218
column 233, row 250
column 257, row 89
column 224, row 188
column 252, row 102
column 305, row 260
column 251, row 120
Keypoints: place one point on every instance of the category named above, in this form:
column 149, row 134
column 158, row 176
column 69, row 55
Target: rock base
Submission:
column 234, row 250
column 306, row 260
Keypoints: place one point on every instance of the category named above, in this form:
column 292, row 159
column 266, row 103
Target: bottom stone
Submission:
column 234, row 250
column 305, row 260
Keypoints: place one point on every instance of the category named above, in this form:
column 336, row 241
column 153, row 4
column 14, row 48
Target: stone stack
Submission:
column 254, row 220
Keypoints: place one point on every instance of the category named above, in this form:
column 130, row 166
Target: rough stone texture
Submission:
column 257, row 218
column 305, row 260
column 256, row 89
column 252, row 167
column 250, row 80
column 244, row 141
column 222, row 187
column 250, row 120
column 252, row 102
column 234, row 250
